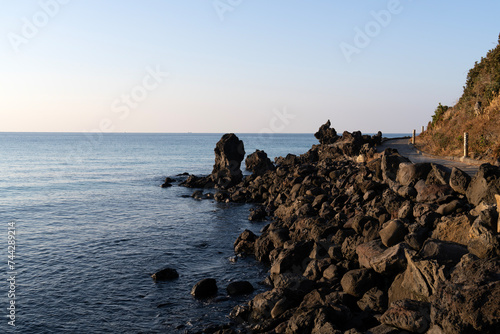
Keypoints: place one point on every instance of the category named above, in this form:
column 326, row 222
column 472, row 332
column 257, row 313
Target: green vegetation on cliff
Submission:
column 477, row 113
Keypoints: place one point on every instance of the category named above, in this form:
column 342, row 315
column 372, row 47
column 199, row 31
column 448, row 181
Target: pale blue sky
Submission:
column 236, row 65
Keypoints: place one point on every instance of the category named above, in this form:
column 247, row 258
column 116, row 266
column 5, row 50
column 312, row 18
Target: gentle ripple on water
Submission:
column 93, row 225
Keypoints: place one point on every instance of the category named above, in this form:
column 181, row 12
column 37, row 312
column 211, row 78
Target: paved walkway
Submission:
column 407, row 150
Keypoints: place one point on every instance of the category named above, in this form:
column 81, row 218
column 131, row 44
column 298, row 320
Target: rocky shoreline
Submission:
column 362, row 242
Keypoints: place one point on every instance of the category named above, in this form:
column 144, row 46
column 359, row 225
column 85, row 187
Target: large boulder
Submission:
column 443, row 252
column 422, row 277
column 374, row 300
column 432, row 193
column 239, row 288
column 229, row 152
column 367, row 251
column 484, row 185
column 439, row 174
column 326, row 135
column 165, row 274
column 392, row 260
column 391, row 160
column 406, row 314
column 409, row 173
column 205, row 288
column 454, row 229
column 482, row 241
column 459, row 180
column 468, row 301
column 292, row 259
column 258, row 162
column 356, row 282
column 245, row 242
column 262, row 305
column 350, row 144
column 393, row 232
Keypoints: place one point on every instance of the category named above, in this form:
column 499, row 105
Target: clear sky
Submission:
column 236, row 65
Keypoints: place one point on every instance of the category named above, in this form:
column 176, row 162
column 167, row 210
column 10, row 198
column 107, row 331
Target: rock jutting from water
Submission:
column 366, row 242
column 229, row 152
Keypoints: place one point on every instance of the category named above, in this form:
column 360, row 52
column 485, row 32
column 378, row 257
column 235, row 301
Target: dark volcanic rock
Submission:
column 205, row 288
column 168, row 182
column 194, row 181
column 229, row 152
column 347, row 238
column 374, row 300
column 431, row 193
column 484, row 185
column 350, row 144
column 459, row 180
column 165, row 274
column 257, row 214
column 409, row 173
column 442, row 251
column 390, row 164
column 439, row 174
column 468, row 302
column 393, row 232
column 422, row 277
column 326, row 135
column 239, row 288
column 292, row 259
column 258, row 163
column 482, row 241
column 245, row 243
column 409, row 315
column 357, row 282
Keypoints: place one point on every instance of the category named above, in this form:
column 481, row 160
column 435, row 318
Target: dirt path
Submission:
column 407, row 150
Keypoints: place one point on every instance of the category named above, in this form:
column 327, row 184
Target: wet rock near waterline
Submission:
column 165, row 274
column 239, row 288
column 244, row 244
column 257, row 214
column 229, row 152
column 205, row 288
column 168, row 182
column 258, row 162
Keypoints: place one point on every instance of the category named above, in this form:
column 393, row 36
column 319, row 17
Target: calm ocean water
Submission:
column 92, row 225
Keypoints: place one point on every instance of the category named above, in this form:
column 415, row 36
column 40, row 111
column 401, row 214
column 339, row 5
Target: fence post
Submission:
column 466, row 144
column 422, row 129
column 413, row 137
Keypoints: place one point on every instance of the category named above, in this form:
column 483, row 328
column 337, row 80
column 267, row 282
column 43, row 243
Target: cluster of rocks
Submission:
column 365, row 242
column 229, row 152
column 206, row 288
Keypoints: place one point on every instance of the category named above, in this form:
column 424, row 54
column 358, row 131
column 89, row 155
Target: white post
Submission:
column 466, row 144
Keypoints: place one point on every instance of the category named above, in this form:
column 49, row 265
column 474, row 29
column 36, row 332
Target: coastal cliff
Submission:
column 477, row 112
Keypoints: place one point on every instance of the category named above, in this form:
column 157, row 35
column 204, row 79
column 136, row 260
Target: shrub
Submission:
column 438, row 113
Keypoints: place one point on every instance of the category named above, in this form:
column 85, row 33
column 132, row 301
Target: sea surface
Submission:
column 92, row 224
